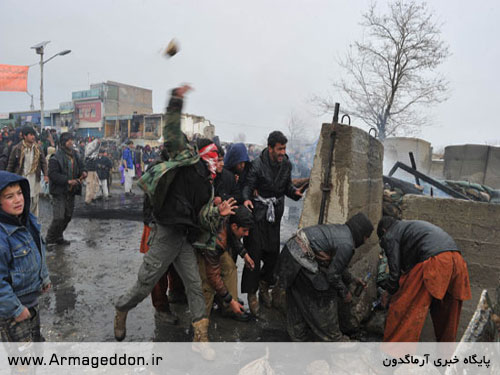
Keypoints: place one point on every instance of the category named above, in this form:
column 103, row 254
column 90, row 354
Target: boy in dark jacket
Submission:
column 103, row 168
column 237, row 162
column 23, row 271
column 217, row 268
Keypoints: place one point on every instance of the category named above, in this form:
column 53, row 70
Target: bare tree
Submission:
column 297, row 132
column 295, row 129
column 391, row 74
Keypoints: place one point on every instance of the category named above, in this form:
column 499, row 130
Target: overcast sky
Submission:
column 252, row 63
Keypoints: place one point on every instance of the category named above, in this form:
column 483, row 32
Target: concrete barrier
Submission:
column 397, row 149
column 475, row 163
column 437, row 169
column 356, row 178
column 475, row 228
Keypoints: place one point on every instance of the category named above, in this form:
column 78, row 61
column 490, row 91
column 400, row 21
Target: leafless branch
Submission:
column 392, row 74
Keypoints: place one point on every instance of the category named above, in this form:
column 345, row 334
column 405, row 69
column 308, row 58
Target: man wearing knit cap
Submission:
column 66, row 175
column 312, row 269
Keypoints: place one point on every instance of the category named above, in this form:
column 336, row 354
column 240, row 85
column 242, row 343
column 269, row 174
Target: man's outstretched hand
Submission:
column 227, row 207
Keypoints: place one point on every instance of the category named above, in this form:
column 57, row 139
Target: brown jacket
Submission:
column 213, row 265
column 15, row 167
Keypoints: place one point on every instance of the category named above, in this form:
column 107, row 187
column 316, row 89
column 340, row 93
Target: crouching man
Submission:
column 217, row 268
column 23, row 271
column 426, row 271
column 313, row 270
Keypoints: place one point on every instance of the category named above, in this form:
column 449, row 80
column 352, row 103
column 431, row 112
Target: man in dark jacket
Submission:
column 237, row 162
column 225, row 181
column 176, row 211
column 28, row 159
column 267, row 183
column 66, row 174
column 313, row 270
column 427, row 271
column 5, row 150
column 23, row 270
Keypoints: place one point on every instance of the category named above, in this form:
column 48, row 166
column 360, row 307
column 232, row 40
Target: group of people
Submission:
column 201, row 202
column 203, row 208
column 207, row 207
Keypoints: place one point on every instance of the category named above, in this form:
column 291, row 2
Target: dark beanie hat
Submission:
column 360, row 227
column 202, row 142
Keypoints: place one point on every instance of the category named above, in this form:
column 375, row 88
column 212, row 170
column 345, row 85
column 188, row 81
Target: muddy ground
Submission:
column 102, row 262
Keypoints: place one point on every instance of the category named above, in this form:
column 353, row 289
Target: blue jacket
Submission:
column 23, row 268
column 128, row 156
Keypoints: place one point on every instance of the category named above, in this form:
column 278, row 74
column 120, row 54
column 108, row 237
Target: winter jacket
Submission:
column 270, row 180
column 408, row 242
column 225, row 186
column 186, row 186
column 15, row 167
column 4, row 156
column 236, row 154
column 23, row 270
column 59, row 170
column 103, row 166
column 128, row 156
column 336, row 243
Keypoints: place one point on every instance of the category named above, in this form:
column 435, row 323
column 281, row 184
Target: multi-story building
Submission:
column 109, row 99
column 148, row 129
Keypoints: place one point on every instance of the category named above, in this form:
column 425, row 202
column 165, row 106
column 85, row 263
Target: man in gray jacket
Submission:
column 313, row 270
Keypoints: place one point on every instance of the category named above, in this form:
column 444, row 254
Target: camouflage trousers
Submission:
column 27, row 330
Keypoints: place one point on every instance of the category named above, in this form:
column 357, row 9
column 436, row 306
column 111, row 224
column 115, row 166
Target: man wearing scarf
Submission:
column 27, row 159
column 267, row 183
column 66, row 175
column 313, row 270
column 178, row 189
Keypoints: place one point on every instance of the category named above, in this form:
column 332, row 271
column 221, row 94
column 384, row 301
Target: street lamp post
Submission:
column 39, row 48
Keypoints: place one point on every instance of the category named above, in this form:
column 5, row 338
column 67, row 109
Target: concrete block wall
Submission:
column 475, row 227
column 356, row 178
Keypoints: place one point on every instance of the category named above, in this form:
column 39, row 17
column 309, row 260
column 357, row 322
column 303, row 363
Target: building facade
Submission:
column 112, row 99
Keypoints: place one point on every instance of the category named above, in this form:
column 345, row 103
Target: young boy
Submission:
column 23, row 271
